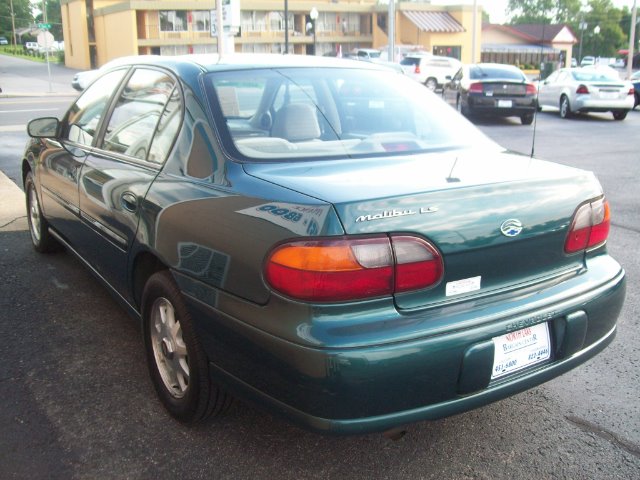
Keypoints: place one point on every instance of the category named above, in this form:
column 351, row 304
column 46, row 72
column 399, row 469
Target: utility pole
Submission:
column 286, row 26
column 392, row 31
column 46, row 43
column 632, row 40
column 219, row 28
column 13, row 25
column 583, row 27
column 474, row 31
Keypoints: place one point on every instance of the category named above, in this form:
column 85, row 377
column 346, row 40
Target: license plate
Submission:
column 520, row 349
column 505, row 104
column 608, row 95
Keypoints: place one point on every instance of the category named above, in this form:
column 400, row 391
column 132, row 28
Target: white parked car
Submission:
column 587, row 89
column 587, row 61
column 431, row 70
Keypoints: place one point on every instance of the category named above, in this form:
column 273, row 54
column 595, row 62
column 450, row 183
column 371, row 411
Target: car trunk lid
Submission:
column 465, row 202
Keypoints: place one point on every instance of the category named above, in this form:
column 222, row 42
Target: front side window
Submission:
column 299, row 113
column 82, row 119
column 173, row 21
column 137, row 113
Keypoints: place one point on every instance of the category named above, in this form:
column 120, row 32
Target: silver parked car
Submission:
column 587, row 89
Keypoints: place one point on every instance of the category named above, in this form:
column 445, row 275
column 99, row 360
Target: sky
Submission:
column 497, row 8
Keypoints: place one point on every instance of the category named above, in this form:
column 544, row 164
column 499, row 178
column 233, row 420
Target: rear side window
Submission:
column 84, row 116
column 138, row 111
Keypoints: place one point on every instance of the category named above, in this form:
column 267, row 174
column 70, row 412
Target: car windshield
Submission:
column 595, row 76
column 478, row 72
column 302, row 113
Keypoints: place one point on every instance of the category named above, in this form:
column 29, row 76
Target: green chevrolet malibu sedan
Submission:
column 323, row 237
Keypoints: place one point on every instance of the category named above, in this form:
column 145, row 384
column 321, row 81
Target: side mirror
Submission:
column 46, row 127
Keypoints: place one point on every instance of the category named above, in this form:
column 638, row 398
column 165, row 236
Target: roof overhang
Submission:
column 500, row 48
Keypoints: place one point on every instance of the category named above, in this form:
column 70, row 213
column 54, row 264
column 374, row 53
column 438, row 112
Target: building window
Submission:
column 201, row 21
column 453, row 51
column 173, row 21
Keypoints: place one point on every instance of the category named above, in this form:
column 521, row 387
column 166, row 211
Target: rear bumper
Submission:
column 584, row 103
column 382, row 386
column 504, row 107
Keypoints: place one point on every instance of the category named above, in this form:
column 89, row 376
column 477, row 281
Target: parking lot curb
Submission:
column 13, row 216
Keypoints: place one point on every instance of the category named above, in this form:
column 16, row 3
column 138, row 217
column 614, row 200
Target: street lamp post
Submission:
column 313, row 14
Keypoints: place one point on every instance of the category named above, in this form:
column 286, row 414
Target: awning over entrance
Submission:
column 439, row 22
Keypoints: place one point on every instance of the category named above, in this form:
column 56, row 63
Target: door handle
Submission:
column 129, row 201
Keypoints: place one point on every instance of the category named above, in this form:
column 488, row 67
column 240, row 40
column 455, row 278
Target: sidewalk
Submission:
column 13, row 214
column 17, row 78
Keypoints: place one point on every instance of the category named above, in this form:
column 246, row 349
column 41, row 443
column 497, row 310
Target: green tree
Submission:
column 22, row 13
column 543, row 11
column 603, row 36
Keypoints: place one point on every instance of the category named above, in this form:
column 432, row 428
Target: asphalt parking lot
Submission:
column 77, row 401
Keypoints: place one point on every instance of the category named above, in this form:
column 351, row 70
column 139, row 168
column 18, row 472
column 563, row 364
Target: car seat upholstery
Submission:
column 296, row 122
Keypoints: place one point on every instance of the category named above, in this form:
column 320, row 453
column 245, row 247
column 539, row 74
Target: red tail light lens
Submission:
column 416, row 70
column 475, row 88
column 582, row 89
column 631, row 91
column 531, row 89
column 590, row 226
column 418, row 263
column 325, row 270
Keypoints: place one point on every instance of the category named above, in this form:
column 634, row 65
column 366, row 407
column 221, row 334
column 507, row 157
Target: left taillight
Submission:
column 589, row 227
column 348, row 268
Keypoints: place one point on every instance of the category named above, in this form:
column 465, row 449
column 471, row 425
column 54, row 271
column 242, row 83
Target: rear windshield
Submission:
column 410, row 61
column 301, row 113
column 595, row 76
column 489, row 72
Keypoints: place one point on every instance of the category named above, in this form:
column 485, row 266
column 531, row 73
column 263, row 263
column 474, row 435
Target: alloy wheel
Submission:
column 169, row 349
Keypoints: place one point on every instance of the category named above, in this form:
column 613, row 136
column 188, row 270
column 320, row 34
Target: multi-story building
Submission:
column 96, row 31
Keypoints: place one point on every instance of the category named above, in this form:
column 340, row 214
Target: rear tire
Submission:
column 42, row 240
column 565, row 107
column 527, row 119
column 461, row 108
column 619, row 114
column 178, row 365
column 431, row 83
column 637, row 100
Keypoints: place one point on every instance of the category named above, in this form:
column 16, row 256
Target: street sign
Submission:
column 44, row 26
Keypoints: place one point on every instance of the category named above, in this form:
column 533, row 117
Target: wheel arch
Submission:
column 144, row 265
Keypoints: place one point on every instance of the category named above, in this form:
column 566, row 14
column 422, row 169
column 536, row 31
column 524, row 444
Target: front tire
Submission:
column 177, row 363
column 565, row 107
column 619, row 114
column 431, row 83
column 42, row 240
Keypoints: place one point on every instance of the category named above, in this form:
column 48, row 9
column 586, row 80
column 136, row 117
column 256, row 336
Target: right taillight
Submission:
column 589, row 227
column 475, row 88
column 582, row 89
column 351, row 268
